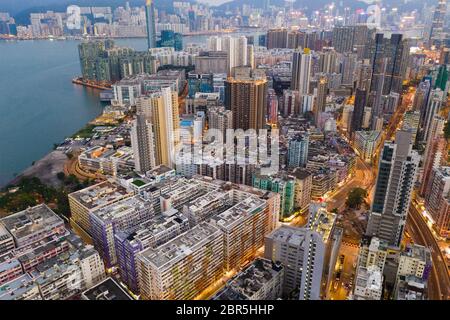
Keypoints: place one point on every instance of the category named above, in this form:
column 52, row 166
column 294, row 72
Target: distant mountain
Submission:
column 308, row 4
column 311, row 5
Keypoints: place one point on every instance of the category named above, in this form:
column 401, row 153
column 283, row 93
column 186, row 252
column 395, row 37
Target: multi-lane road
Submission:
column 363, row 178
column 439, row 282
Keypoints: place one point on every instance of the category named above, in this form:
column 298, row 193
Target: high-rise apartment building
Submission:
column 349, row 62
column 366, row 144
column 143, row 144
column 151, row 23
column 358, row 110
column 277, row 38
column 437, row 32
column 162, row 107
column 437, row 197
column 298, row 151
column 433, row 107
column 321, row 99
column 301, row 252
column 122, row 215
column 328, row 61
column 220, row 119
column 239, row 52
column 303, row 186
column 435, row 151
column 247, row 99
column 343, row 38
column 397, row 173
column 301, row 70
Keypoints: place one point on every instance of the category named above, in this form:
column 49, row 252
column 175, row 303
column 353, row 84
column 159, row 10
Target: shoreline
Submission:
column 45, row 169
column 81, row 82
column 51, row 163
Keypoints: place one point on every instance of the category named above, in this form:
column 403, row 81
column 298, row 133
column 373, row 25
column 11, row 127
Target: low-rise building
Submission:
column 33, row 224
column 21, row 288
column 410, row 288
column 366, row 144
column 415, row 260
column 6, row 240
column 107, row 161
column 261, row 280
column 368, row 283
column 108, row 289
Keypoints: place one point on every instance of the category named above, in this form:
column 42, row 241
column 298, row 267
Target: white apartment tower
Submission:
column 397, row 173
column 301, row 71
column 301, row 251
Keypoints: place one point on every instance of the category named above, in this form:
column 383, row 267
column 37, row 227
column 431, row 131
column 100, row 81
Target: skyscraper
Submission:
column 277, row 38
column 321, row 99
column 437, row 199
column 388, row 61
column 433, row 107
column 239, row 53
column 437, row 35
column 151, row 23
column 349, row 61
column 161, row 112
column 247, row 98
column 301, row 70
column 435, row 150
column 358, row 111
column 397, row 172
column 343, row 38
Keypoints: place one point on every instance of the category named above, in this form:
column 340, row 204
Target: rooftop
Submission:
column 31, row 220
column 321, row 220
column 291, row 235
column 419, row 252
column 249, row 281
column 156, row 227
column 108, row 289
column 122, row 208
column 369, row 135
column 370, row 278
column 180, row 247
column 16, row 288
column 411, row 288
column 99, row 152
column 248, row 206
column 100, row 195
